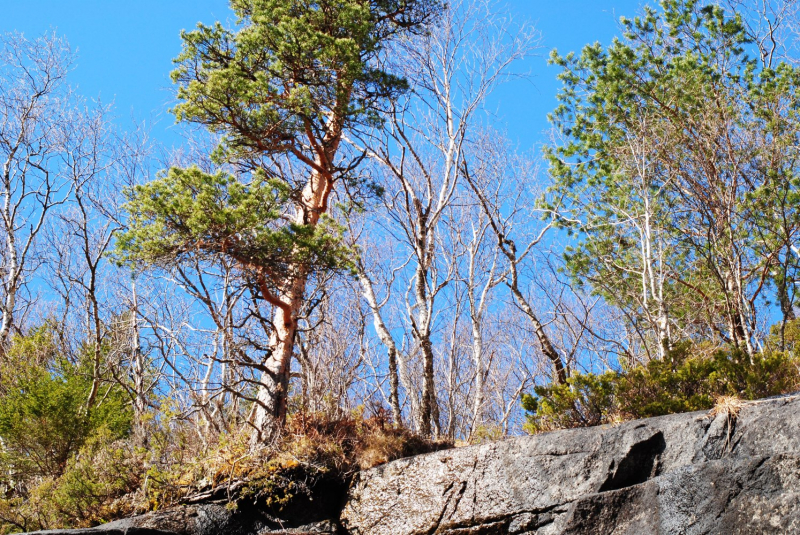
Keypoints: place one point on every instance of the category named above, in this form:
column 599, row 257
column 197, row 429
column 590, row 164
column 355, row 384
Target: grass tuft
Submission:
column 728, row 406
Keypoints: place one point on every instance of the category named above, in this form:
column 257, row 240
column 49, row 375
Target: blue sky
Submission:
column 125, row 48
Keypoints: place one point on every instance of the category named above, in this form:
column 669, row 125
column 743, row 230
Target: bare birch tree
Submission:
column 34, row 100
column 453, row 69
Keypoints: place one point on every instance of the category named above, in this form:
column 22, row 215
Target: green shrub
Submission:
column 97, row 485
column 681, row 383
column 43, row 418
column 586, row 400
column 57, row 465
column 98, row 482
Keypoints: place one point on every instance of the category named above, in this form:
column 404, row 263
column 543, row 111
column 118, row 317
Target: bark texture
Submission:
column 270, row 409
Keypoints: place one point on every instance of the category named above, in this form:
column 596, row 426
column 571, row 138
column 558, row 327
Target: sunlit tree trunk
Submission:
column 271, row 400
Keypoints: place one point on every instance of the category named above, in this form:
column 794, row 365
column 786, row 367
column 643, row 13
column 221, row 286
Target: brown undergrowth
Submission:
column 312, row 449
column 168, row 462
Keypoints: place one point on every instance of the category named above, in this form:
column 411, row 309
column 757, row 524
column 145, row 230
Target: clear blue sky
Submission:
column 125, row 48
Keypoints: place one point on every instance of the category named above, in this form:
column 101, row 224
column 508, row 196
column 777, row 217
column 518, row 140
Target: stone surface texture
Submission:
column 680, row 474
column 684, row 473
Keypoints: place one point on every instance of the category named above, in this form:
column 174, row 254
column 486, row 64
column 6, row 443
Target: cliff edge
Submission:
column 685, row 473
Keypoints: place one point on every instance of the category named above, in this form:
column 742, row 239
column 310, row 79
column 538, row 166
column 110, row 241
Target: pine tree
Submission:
column 280, row 89
column 677, row 170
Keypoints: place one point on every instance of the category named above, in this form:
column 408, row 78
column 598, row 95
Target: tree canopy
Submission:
column 679, row 170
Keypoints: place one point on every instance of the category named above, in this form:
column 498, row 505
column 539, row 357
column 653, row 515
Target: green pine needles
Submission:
column 188, row 213
column 287, row 69
column 676, row 171
column 278, row 89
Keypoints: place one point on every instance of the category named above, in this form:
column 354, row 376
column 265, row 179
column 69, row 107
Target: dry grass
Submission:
column 312, row 450
column 353, row 443
column 728, row 406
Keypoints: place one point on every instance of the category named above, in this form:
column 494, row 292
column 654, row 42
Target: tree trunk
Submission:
column 429, row 408
column 429, row 411
column 139, row 402
column 11, row 286
column 269, row 413
column 548, row 348
column 388, row 342
column 787, row 307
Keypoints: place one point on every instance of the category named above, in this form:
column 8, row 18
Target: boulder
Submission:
column 684, row 473
column 206, row 519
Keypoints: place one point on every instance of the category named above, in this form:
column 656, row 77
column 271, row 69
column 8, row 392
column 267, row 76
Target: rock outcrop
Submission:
column 685, row 473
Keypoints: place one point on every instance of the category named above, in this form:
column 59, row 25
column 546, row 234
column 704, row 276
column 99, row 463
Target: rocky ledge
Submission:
column 685, row 473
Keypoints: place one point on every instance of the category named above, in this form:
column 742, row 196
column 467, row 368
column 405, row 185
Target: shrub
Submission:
column 586, row 400
column 57, row 465
column 96, row 486
column 681, row 383
column 98, row 483
column 43, row 418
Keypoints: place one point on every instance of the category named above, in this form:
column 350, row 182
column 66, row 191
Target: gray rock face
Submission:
column 681, row 474
column 202, row 519
column 686, row 473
